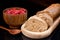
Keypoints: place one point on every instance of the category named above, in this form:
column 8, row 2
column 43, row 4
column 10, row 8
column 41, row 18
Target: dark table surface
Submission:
column 4, row 35
column 32, row 9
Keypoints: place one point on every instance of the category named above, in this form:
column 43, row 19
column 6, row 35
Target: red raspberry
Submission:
column 21, row 12
column 16, row 11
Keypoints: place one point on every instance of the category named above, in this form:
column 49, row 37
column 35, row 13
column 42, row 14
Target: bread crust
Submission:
column 54, row 10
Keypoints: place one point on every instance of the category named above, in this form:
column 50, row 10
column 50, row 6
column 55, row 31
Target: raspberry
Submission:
column 16, row 11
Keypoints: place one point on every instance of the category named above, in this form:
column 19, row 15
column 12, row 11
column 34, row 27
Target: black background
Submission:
column 32, row 9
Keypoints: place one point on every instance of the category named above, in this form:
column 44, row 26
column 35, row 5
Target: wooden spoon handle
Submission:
column 4, row 28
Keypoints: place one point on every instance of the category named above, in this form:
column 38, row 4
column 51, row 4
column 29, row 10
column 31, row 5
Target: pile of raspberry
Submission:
column 15, row 11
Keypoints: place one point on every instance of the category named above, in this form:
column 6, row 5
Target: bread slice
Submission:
column 46, row 17
column 36, row 24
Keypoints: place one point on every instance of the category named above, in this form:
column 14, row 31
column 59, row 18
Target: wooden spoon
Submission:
column 11, row 31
